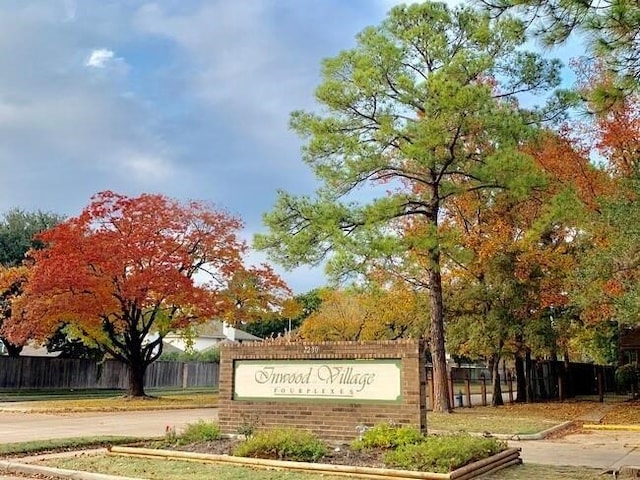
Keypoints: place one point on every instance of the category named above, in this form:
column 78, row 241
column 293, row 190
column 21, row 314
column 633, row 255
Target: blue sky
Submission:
column 190, row 98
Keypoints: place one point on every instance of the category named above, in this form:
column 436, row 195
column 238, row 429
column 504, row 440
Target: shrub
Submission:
column 627, row 376
column 282, row 444
column 200, row 431
column 209, row 355
column 249, row 425
column 442, row 454
column 386, row 435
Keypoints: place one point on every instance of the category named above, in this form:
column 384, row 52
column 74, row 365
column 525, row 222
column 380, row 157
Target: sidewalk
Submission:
column 602, row 449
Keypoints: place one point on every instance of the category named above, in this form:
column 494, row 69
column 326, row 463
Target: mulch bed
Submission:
column 337, row 455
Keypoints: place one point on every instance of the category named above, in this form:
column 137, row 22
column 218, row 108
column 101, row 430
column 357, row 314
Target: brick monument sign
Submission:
column 329, row 388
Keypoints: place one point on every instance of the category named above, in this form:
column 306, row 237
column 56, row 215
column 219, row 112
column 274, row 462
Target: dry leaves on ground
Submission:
column 626, row 413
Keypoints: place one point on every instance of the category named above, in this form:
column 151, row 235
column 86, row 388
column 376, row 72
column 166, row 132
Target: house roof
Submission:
column 246, row 336
column 630, row 339
column 33, row 351
column 215, row 329
column 212, row 329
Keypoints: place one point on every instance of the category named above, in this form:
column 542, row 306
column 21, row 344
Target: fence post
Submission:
column 185, row 375
column 561, row 387
column 601, row 384
column 467, row 384
column 510, row 386
column 431, row 387
column 483, row 389
column 451, row 399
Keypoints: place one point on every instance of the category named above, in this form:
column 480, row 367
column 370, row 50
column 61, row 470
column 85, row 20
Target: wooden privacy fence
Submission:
column 28, row 373
column 549, row 381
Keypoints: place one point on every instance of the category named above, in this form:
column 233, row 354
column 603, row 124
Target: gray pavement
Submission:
column 21, row 427
column 601, row 449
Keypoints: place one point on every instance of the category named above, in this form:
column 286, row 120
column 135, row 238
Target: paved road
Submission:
column 20, row 427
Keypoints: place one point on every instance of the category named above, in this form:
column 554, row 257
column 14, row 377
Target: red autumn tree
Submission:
column 127, row 271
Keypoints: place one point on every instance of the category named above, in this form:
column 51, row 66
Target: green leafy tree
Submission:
column 17, row 233
column 423, row 107
column 281, row 325
column 17, row 236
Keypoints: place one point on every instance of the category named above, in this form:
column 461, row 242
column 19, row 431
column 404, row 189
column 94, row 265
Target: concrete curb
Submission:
column 598, row 426
column 23, row 468
column 534, row 436
column 517, row 437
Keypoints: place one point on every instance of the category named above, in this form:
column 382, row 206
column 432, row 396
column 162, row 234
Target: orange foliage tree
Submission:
column 258, row 294
column 508, row 285
column 380, row 314
column 127, row 271
column 12, row 281
column 607, row 282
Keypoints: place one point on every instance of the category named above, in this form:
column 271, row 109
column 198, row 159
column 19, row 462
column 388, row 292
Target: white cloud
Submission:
column 100, row 58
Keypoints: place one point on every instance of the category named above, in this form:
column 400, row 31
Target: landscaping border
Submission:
column 9, row 467
column 506, row 458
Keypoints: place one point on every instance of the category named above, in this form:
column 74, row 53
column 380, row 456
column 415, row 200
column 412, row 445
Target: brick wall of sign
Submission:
column 330, row 418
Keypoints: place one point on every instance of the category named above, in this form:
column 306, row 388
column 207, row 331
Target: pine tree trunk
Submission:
column 137, row 372
column 438, row 356
column 496, row 396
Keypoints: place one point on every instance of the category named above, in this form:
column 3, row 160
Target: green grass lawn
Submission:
column 173, row 469
column 179, row 470
column 468, row 421
column 546, row 472
column 522, row 418
column 116, row 401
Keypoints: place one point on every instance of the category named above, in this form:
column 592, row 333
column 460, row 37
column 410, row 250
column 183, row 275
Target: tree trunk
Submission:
column 438, row 356
column 137, row 371
column 12, row 350
column 521, row 388
column 496, row 396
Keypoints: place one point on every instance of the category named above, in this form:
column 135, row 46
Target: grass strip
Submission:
column 61, row 444
column 179, row 470
column 466, row 422
column 119, row 403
